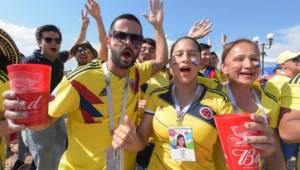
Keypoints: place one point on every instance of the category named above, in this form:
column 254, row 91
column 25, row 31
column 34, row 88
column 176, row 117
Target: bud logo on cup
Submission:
column 34, row 104
column 239, row 154
column 31, row 83
column 246, row 157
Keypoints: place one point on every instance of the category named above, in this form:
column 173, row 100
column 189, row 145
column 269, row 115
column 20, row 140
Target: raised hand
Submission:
column 208, row 41
column 93, row 8
column 156, row 15
column 200, row 28
column 224, row 39
column 84, row 19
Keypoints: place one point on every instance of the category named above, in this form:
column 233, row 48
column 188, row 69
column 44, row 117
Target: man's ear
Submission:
column 107, row 41
column 39, row 43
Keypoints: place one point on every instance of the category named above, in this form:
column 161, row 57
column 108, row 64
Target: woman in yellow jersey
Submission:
column 241, row 63
column 184, row 108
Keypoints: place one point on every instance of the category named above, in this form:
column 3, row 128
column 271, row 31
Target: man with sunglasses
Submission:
column 96, row 97
column 47, row 146
column 290, row 66
column 84, row 53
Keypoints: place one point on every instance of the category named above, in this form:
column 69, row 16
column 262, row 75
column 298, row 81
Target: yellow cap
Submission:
column 284, row 56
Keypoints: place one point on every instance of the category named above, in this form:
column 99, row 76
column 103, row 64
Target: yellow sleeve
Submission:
column 291, row 96
column 273, row 89
column 66, row 99
column 150, row 106
column 145, row 70
column 271, row 107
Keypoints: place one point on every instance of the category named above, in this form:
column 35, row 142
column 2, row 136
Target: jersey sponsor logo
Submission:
column 206, row 113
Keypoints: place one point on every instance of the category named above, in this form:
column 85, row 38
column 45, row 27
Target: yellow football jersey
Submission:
column 291, row 94
column 271, row 108
column 82, row 94
column 4, row 84
column 161, row 79
column 274, row 85
column 199, row 117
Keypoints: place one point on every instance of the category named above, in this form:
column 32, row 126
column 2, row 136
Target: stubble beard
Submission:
column 115, row 57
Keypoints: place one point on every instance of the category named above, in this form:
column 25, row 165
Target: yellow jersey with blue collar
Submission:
column 274, row 85
column 82, row 94
column 4, row 84
column 291, row 94
column 199, row 117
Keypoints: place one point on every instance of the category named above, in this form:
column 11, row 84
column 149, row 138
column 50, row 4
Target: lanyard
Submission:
column 118, row 155
column 180, row 113
column 257, row 101
column 109, row 101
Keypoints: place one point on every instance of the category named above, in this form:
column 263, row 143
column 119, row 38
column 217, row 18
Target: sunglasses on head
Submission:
column 50, row 40
column 135, row 39
column 83, row 50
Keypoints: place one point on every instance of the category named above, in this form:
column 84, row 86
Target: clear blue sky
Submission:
column 237, row 18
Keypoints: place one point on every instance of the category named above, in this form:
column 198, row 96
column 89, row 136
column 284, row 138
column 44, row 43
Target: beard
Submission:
column 116, row 59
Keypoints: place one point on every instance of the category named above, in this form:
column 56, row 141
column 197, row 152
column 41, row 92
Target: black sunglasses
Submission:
column 83, row 50
column 50, row 40
column 135, row 39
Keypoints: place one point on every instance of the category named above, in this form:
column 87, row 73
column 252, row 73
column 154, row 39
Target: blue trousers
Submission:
column 47, row 146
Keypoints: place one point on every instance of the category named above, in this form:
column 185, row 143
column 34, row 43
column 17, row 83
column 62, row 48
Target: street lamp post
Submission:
column 263, row 47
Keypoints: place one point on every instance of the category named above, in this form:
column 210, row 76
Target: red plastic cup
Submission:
column 31, row 83
column 239, row 154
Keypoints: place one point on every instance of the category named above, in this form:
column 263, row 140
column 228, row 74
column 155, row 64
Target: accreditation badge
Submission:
column 114, row 159
column 182, row 146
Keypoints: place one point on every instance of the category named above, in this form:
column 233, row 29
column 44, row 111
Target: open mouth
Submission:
column 127, row 53
column 82, row 57
column 185, row 70
column 247, row 74
column 53, row 49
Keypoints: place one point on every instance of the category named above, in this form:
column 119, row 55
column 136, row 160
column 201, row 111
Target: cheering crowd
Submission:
column 119, row 107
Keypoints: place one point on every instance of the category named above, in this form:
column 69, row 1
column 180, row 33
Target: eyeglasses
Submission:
column 135, row 39
column 50, row 40
column 83, row 50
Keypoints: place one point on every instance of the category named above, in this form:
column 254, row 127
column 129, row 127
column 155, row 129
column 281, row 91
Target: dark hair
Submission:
column 44, row 28
column 213, row 53
column 150, row 41
column 227, row 48
column 204, row 46
column 186, row 37
column 125, row 16
column 178, row 137
column 278, row 67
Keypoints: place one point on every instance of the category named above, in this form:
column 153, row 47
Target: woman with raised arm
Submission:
column 185, row 107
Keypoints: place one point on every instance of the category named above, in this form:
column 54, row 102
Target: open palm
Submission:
column 155, row 16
